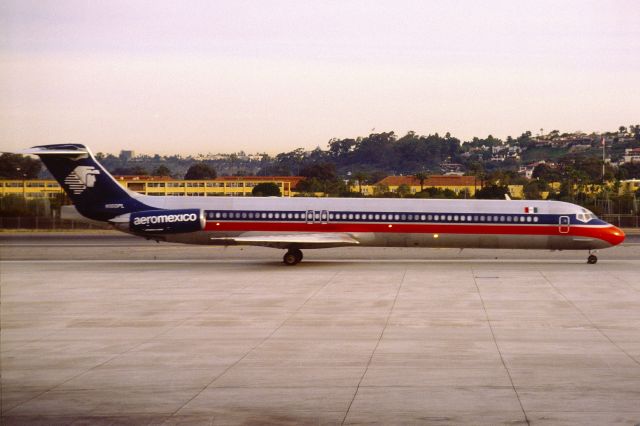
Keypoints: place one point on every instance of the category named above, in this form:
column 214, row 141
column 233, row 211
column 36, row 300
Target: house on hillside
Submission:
column 457, row 184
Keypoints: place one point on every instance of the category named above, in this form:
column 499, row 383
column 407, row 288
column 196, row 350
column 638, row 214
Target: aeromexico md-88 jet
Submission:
column 294, row 224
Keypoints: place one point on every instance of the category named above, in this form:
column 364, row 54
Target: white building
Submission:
column 631, row 155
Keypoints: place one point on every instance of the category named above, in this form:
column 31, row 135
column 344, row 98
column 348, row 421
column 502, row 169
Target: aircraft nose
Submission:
column 615, row 235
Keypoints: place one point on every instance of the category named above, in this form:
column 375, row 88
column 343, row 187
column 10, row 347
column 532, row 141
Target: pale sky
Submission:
column 185, row 77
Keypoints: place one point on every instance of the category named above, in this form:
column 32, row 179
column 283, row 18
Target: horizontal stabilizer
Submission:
column 317, row 240
column 44, row 151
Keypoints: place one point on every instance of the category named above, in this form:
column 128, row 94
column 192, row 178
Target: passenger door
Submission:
column 564, row 224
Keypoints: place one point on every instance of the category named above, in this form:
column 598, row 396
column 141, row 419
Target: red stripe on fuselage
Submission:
column 607, row 234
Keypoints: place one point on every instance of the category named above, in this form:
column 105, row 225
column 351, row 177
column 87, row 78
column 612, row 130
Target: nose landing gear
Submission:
column 292, row 257
column 592, row 259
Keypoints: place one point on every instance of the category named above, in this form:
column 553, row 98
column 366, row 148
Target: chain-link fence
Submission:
column 46, row 223
column 622, row 220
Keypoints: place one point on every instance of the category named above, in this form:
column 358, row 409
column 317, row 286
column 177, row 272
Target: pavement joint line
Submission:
column 585, row 316
column 238, row 361
column 145, row 341
column 323, row 261
column 625, row 282
column 28, row 342
column 386, row 324
column 495, row 342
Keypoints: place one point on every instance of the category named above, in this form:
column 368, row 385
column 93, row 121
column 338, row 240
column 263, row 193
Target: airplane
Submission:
column 298, row 223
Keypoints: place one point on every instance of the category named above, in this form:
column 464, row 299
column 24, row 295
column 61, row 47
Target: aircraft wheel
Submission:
column 592, row 259
column 292, row 257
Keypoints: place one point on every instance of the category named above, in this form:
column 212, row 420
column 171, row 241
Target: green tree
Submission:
column 360, row 177
column 379, row 190
column 162, row 170
column 322, row 171
column 492, row 192
column 200, row 170
column 421, row 177
column 130, row 171
column 14, row 166
column 533, row 189
column 546, row 173
column 266, row 189
column 403, row 190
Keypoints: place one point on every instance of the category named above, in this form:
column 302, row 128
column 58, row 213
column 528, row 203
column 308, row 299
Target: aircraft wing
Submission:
column 285, row 241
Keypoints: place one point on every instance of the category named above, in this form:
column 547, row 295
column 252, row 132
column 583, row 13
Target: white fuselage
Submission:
column 396, row 222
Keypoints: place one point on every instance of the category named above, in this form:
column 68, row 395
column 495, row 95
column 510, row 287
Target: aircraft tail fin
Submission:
column 94, row 192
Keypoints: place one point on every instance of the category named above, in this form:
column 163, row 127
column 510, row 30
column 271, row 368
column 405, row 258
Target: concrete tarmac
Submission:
column 108, row 329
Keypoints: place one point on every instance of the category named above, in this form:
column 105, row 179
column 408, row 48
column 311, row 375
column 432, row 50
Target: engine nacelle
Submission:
column 167, row 221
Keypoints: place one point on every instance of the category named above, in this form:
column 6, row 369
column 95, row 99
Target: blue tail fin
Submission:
column 94, row 192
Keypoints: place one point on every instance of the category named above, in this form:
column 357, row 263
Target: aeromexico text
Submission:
column 165, row 218
column 167, row 221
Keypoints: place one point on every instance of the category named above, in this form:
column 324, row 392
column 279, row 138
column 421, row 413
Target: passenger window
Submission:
column 377, row 217
column 475, row 218
column 501, row 218
column 455, row 218
column 296, row 215
column 331, row 216
column 429, row 217
column 250, row 215
column 521, row 218
column 289, row 215
column 436, row 217
column 264, row 215
column 469, row 218
column 449, row 218
column 357, row 216
column 528, row 218
column 396, row 217
column 384, row 217
column 403, row 217
column 481, row 218
column 224, row 215
column 535, row 219
column 508, row 218
column 350, row 216
column 423, row 217
column 270, row 215
column 495, row 218
column 244, row 215
column 277, row 215
column 217, row 215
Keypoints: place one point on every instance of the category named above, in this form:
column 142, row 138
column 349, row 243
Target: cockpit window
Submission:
column 585, row 216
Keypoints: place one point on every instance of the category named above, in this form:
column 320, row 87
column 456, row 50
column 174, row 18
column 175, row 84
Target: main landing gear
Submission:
column 292, row 257
column 592, row 259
